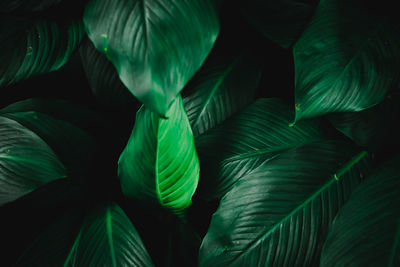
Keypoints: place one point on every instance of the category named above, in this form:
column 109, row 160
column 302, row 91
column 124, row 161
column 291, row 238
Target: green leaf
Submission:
column 374, row 128
column 108, row 238
column 281, row 21
column 35, row 46
column 240, row 144
column 104, row 80
column 278, row 214
column 159, row 164
column 156, row 46
column 366, row 231
column 73, row 146
column 345, row 60
column 220, row 90
column 26, row 161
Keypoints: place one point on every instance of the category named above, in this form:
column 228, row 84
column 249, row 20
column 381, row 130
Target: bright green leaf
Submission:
column 242, row 143
column 159, row 164
column 26, row 161
column 156, row 46
column 221, row 90
column 366, row 232
column 108, row 238
column 345, row 60
column 278, row 214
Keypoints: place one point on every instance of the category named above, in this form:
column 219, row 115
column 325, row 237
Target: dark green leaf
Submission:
column 73, row 147
column 159, row 164
column 282, row 21
column 366, row 232
column 346, row 59
column 156, row 46
column 7, row 6
column 242, row 143
column 26, row 161
column 35, row 46
column 104, row 80
column 108, row 238
column 221, row 90
column 278, row 214
column 374, row 128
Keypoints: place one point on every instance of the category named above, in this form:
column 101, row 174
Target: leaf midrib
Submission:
column 333, row 179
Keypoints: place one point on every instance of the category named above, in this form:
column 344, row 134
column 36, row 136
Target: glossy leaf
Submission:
column 279, row 214
column 282, row 21
column 221, row 90
column 239, row 145
column 35, row 46
column 156, row 46
column 108, row 238
column 73, row 146
column 26, row 161
column 345, row 60
column 366, row 232
column 104, row 80
column 159, row 164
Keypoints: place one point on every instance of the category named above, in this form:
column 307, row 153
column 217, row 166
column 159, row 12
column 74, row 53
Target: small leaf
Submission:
column 366, row 231
column 220, row 90
column 159, row 164
column 108, row 238
column 156, row 46
column 35, row 46
column 26, row 161
column 345, row 60
column 242, row 143
column 279, row 214
column 282, row 21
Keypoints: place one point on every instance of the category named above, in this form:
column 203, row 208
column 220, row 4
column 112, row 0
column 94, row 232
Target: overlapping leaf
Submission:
column 26, row 161
column 156, row 46
column 35, row 46
column 279, row 214
column 282, row 21
column 221, row 90
column 108, row 238
column 159, row 164
column 104, row 80
column 346, row 59
column 366, row 232
column 242, row 143
column 73, row 146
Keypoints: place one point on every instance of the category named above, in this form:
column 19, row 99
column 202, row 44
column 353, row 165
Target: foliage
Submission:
column 199, row 133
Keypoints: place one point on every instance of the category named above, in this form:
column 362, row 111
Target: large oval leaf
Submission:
column 156, row 46
column 242, row 143
column 220, row 90
column 159, row 164
column 366, row 232
column 278, row 214
column 281, row 21
column 108, row 238
column 345, row 60
column 26, row 161
column 35, row 46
